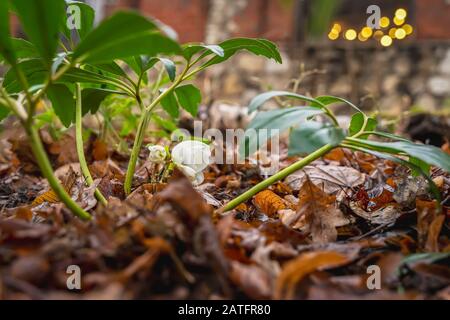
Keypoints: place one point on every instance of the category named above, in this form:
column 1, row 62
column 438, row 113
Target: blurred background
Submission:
column 327, row 49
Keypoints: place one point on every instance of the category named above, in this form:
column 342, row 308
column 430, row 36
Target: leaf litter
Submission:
column 311, row 236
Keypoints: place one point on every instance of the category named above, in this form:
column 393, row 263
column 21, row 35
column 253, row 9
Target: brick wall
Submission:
column 433, row 19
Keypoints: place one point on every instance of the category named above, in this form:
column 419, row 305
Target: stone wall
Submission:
column 390, row 80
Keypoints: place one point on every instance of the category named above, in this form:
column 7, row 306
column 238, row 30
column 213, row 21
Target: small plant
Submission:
column 315, row 139
column 77, row 69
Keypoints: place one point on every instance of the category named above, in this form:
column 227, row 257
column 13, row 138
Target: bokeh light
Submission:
column 400, row 33
column 350, row 34
column 384, row 22
column 366, row 32
column 386, row 41
column 400, row 13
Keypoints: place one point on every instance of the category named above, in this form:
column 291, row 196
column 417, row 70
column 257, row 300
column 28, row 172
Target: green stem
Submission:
column 143, row 123
column 47, row 171
column 80, row 149
column 277, row 177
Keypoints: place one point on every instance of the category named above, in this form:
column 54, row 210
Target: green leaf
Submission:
column 312, row 135
column 124, row 34
column 42, row 21
column 429, row 154
column 6, row 46
column 259, row 47
column 167, row 125
column 190, row 50
column 93, row 97
column 275, row 121
column 170, row 105
column 34, row 70
column 86, row 16
column 189, row 98
column 357, row 123
column 168, row 65
column 326, row 100
column 63, row 103
column 259, row 100
column 4, row 112
column 111, row 67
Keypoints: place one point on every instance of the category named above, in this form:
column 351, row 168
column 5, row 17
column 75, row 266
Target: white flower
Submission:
column 157, row 154
column 192, row 157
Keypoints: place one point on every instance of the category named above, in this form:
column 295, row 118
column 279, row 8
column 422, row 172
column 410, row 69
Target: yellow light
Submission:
column 337, row 27
column 408, row 29
column 366, row 32
column 392, row 32
column 378, row 34
column 386, row 41
column 361, row 37
column 350, row 34
column 384, row 22
column 400, row 14
column 333, row 35
column 398, row 21
column 400, row 33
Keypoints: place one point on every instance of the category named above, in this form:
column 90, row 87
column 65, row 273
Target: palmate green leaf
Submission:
column 87, row 17
column 259, row 47
column 259, row 100
column 4, row 111
column 124, row 34
column 188, row 97
column 312, row 135
column 170, row 104
column 34, row 70
column 191, row 49
column 426, row 153
column 63, row 103
column 357, row 123
column 6, row 47
column 275, row 122
column 144, row 63
column 93, row 97
column 327, row 100
column 42, row 20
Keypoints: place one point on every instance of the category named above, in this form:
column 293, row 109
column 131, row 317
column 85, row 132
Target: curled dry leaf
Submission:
column 385, row 215
column 331, row 178
column 269, row 202
column 317, row 213
column 295, row 270
column 253, row 280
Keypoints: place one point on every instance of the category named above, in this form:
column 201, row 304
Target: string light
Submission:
column 401, row 14
column 350, row 34
column 392, row 32
column 366, row 32
column 408, row 29
column 400, row 33
column 333, row 35
column 378, row 34
column 361, row 37
column 337, row 27
column 386, row 41
column 398, row 21
column 384, row 22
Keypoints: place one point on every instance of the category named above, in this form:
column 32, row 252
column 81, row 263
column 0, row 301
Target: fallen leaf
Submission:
column 320, row 213
column 295, row 270
column 330, row 178
column 269, row 202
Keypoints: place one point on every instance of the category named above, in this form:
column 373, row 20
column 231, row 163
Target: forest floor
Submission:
column 324, row 232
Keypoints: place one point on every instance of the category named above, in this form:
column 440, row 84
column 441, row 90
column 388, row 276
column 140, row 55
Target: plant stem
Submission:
column 47, row 171
column 277, row 177
column 143, row 123
column 80, row 149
